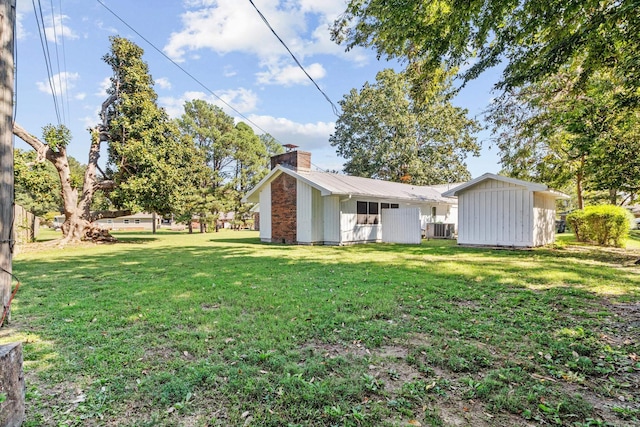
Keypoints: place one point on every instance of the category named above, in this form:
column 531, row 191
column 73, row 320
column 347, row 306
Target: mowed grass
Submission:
column 219, row 329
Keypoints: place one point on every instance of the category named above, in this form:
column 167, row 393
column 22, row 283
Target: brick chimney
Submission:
column 299, row 161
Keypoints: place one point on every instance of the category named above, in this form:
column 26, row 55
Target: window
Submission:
column 389, row 205
column 109, row 221
column 433, row 213
column 367, row 213
column 137, row 221
column 126, row 221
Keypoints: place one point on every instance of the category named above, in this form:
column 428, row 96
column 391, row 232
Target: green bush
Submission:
column 605, row 225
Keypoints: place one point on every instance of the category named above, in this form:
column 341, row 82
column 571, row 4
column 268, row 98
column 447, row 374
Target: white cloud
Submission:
column 61, row 83
column 80, row 96
column 225, row 26
column 229, row 71
column 104, row 85
column 21, row 33
column 55, row 29
column 243, row 100
column 93, row 119
column 163, row 83
column 291, row 75
column 109, row 29
column 308, row 136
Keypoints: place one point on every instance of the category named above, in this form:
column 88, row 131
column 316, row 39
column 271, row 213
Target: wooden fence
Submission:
column 25, row 225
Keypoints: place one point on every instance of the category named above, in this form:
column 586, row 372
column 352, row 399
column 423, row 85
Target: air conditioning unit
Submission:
column 440, row 231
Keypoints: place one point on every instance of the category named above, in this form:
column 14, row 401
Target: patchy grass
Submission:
column 219, row 329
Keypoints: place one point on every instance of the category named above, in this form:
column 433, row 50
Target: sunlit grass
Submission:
column 210, row 329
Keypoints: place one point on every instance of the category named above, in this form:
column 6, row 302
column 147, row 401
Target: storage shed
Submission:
column 495, row 210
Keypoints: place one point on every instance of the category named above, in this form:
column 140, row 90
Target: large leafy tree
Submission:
column 211, row 130
column 587, row 139
column 384, row 133
column 250, row 155
column 37, row 188
column 146, row 154
column 234, row 156
column 535, row 38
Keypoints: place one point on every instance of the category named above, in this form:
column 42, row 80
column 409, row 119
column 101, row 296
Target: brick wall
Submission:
column 283, row 209
column 297, row 160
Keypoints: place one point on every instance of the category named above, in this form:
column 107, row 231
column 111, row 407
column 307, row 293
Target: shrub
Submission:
column 605, row 225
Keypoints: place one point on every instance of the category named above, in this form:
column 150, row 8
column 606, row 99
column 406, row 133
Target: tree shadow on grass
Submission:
column 131, row 309
column 242, row 241
column 134, row 240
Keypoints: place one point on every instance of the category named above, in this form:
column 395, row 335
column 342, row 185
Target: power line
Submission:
column 180, row 67
column 333, row 106
column 55, row 41
column 47, row 55
column 64, row 60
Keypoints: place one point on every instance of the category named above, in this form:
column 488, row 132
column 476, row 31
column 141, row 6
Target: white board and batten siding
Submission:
column 495, row 213
column 401, row 226
column 350, row 230
column 544, row 213
column 331, row 206
column 265, row 214
column 309, row 214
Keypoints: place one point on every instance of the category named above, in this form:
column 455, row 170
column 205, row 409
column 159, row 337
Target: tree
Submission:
column 211, row 130
column 549, row 132
column 250, row 154
column 236, row 159
column 535, row 38
column 146, row 154
column 37, row 188
column 383, row 133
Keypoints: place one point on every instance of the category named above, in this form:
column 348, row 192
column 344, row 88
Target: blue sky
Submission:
column 222, row 43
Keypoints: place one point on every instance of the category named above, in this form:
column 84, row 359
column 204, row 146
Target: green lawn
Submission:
column 219, row 329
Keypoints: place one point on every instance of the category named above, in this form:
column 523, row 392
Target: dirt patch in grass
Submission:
column 611, row 256
column 448, row 398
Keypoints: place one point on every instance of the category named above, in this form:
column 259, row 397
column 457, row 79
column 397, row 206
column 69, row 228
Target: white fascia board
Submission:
column 253, row 195
column 529, row 185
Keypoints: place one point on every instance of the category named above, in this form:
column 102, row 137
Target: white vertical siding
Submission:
column 265, row 213
column 544, row 217
column 350, row 230
column 496, row 213
column 331, row 205
column 304, row 212
column 317, row 208
column 401, row 225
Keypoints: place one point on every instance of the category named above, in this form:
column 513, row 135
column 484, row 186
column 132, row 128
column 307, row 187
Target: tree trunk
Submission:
column 579, row 178
column 77, row 209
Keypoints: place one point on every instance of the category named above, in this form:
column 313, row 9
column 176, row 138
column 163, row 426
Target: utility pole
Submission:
column 7, row 24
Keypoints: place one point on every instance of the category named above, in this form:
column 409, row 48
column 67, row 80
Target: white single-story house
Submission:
column 138, row 221
column 301, row 206
column 495, row 210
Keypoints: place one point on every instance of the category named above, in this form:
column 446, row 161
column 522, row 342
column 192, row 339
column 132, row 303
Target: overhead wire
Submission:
column 266, row 21
column 64, row 61
column 205, row 87
column 47, row 55
column 62, row 88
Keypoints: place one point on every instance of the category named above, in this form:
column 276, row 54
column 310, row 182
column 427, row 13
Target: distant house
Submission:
column 138, row 221
column 301, row 206
column 495, row 210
